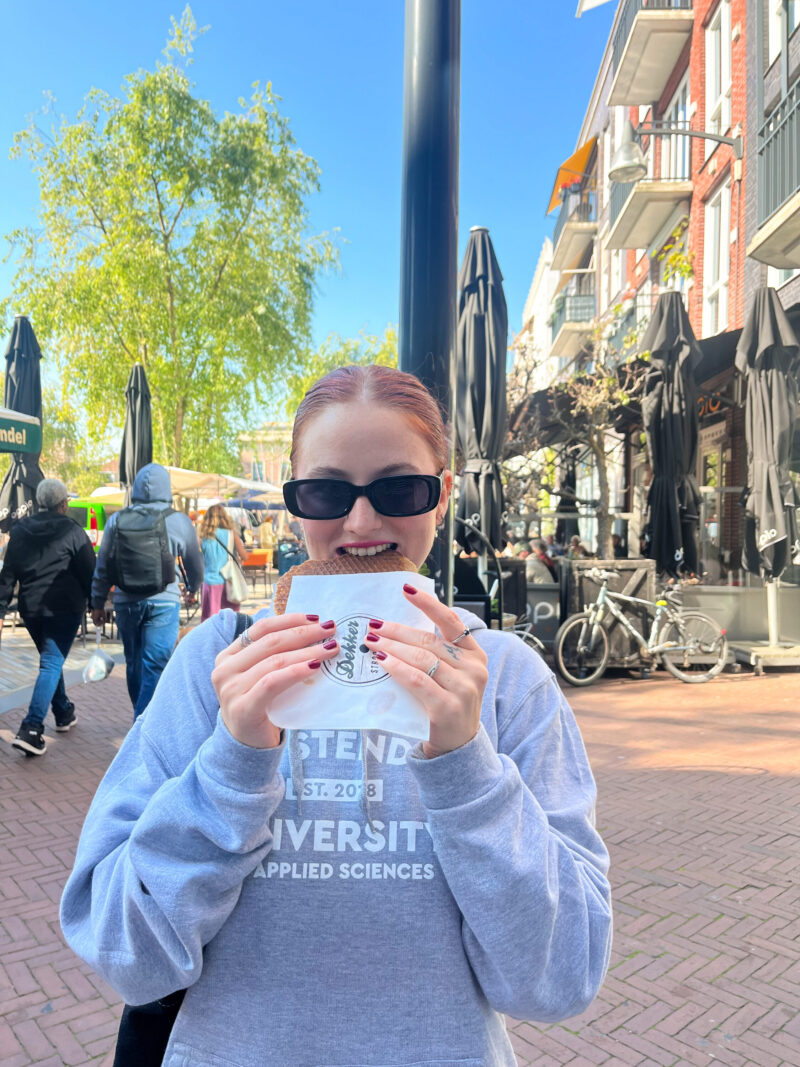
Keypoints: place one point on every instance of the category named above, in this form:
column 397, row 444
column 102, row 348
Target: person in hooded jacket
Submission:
column 148, row 625
column 53, row 560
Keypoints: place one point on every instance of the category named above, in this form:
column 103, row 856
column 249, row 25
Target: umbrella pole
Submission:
column 773, row 631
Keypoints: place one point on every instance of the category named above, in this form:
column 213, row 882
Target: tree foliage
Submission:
column 336, row 352
column 178, row 238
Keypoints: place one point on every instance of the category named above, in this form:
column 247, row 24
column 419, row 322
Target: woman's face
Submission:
column 359, row 441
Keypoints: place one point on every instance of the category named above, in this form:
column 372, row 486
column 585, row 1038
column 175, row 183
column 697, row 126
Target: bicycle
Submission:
column 523, row 625
column 691, row 646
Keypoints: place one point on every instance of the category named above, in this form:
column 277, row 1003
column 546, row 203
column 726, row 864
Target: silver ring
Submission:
column 461, row 636
column 245, row 639
column 433, row 669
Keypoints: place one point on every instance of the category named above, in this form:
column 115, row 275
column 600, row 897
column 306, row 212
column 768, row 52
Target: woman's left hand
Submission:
column 451, row 694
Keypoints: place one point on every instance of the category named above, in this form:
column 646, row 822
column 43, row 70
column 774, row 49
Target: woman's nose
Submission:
column 362, row 516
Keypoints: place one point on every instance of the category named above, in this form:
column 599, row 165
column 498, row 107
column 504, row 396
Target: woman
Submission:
column 218, row 542
column 319, row 931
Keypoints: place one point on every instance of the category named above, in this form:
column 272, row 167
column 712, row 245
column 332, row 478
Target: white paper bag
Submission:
column 353, row 691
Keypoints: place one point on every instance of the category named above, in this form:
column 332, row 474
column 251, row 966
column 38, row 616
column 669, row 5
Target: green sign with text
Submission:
column 19, row 433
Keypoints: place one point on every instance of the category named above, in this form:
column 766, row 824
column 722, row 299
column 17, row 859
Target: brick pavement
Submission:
column 699, row 800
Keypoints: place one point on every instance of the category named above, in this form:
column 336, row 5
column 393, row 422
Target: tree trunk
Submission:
column 598, row 446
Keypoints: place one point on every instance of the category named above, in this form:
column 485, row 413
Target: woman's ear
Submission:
column 447, row 488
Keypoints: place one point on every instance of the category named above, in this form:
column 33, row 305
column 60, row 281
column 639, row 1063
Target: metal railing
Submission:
column 620, row 191
column 779, row 155
column 628, row 17
column 579, row 306
column 581, row 207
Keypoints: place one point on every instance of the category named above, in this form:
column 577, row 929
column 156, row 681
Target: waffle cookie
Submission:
column 388, row 560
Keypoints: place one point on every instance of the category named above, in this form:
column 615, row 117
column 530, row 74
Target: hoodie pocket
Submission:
column 182, row 1055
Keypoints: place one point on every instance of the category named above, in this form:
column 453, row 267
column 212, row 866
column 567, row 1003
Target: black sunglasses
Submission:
column 398, row 496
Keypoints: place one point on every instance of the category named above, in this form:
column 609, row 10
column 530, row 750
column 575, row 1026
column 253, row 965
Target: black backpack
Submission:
column 140, row 561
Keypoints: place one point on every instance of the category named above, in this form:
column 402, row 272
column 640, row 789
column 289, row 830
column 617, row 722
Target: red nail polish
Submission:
column 313, row 618
column 409, row 589
column 329, row 625
column 380, row 655
column 376, row 623
column 329, row 645
column 314, row 665
column 372, row 638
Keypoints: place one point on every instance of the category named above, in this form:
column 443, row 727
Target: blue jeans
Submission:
column 149, row 630
column 53, row 638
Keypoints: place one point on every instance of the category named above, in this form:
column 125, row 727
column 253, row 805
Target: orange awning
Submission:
column 574, row 167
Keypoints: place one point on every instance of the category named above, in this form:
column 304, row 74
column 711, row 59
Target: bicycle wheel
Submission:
column 702, row 648
column 530, row 639
column 576, row 662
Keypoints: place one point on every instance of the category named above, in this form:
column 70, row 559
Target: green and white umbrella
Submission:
column 19, row 433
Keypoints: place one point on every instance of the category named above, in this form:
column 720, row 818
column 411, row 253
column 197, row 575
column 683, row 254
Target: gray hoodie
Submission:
column 152, row 492
column 324, row 931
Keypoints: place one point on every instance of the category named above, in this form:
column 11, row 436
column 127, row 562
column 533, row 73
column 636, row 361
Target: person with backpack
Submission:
column 139, row 557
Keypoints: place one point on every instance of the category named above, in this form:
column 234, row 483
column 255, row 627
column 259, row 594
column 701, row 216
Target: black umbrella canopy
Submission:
column 482, row 343
column 23, row 393
column 768, row 354
column 137, row 436
column 669, row 413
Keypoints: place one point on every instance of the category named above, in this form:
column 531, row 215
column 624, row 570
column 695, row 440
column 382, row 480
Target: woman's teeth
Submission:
column 373, row 550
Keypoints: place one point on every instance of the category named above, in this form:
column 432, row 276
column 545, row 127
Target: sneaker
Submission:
column 30, row 740
column 67, row 721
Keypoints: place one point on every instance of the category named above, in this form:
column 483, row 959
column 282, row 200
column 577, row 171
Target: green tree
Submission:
column 178, row 238
column 335, row 352
column 67, row 452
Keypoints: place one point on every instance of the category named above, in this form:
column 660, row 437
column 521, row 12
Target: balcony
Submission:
column 777, row 239
column 649, row 39
column 638, row 211
column 575, row 229
column 573, row 317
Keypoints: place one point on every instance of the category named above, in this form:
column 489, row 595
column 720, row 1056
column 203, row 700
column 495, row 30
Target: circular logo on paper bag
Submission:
column 356, row 663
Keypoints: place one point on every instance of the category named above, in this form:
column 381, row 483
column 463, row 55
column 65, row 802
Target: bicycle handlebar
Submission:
column 597, row 574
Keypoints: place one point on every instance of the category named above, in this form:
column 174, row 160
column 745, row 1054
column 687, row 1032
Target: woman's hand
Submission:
column 452, row 695
column 275, row 654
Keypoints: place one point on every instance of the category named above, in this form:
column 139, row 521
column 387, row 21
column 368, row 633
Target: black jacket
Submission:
column 53, row 560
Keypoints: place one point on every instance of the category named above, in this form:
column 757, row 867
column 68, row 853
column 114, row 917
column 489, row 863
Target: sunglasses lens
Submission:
column 321, row 498
column 410, row 495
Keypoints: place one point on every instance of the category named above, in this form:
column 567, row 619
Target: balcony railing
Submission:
column 581, row 207
column 779, row 155
column 577, row 306
column 620, row 191
column 628, row 17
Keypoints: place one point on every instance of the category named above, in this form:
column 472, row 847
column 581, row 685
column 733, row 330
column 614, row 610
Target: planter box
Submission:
column 633, row 577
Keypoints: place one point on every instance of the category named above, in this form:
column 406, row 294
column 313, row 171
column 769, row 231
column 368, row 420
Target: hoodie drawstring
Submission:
column 299, row 779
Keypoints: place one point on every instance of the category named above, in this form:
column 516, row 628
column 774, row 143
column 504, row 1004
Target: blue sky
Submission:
column 527, row 70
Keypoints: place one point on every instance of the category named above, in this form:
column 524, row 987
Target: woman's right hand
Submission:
column 283, row 651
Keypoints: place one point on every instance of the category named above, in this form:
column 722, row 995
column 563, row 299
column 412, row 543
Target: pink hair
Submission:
column 385, row 387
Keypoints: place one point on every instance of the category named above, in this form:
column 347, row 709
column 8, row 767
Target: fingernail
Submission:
column 329, row 625
column 380, row 655
column 314, row 665
column 372, row 637
column 313, row 618
column 409, row 589
column 329, row 644
column 376, row 623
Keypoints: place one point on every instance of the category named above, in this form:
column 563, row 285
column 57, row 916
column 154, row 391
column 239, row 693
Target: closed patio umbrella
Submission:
column 567, row 527
column 768, row 355
column 482, row 343
column 22, row 393
column 669, row 412
column 137, row 437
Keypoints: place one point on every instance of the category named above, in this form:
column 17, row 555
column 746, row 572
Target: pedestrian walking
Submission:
column 53, row 560
column 139, row 556
column 346, row 896
column 219, row 542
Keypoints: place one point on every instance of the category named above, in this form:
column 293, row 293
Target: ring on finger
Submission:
column 433, row 669
column 464, row 633
column 245, row 639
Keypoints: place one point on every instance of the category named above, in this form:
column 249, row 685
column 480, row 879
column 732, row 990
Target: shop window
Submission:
column 675, row 151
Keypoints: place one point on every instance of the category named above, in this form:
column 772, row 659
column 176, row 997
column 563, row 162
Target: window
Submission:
column 775, row 28
column 778, row 276
column 257, row 471
column 718, row 73
column 716, row 262
column 675, row 152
